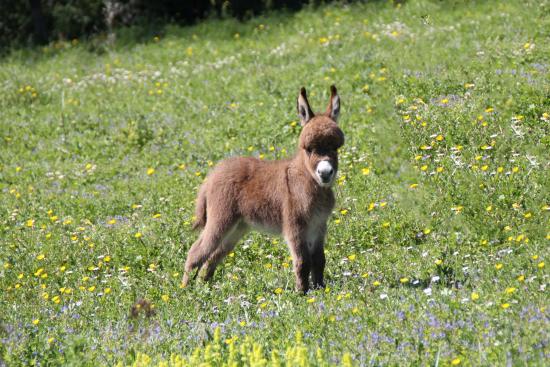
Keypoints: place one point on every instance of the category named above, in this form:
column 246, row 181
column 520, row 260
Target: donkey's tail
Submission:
column 200, row 209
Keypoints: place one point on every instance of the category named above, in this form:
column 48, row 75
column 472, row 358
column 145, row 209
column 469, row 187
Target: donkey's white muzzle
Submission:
column 325, row 173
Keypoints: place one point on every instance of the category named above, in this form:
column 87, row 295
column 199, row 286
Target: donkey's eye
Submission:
column 309, row 150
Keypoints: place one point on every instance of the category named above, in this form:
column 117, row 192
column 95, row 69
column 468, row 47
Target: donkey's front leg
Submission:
column 318, row 259
column 301, row 260
column 318, row 265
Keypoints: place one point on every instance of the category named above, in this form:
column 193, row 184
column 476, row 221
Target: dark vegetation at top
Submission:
column 31, row 22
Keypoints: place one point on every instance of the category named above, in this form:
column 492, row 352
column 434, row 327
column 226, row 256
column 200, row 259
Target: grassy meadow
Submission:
column 436, row 249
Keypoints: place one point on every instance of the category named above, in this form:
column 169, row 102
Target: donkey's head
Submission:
column 320, row 138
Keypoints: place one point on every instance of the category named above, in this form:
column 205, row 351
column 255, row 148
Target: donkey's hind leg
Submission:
column 209, row 240
column 192, row 254
column 228, row 244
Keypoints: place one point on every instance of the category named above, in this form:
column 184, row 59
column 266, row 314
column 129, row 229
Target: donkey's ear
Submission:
column 333, row 109
column 304, row 111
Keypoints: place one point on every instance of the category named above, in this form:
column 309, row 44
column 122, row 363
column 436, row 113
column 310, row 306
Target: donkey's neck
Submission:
column 307, row 198
column 302, row 177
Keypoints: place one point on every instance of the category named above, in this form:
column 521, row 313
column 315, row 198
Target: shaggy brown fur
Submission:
column 292, row 197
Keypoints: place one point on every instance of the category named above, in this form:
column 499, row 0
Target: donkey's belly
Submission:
column 263, row 214
column 264, row 227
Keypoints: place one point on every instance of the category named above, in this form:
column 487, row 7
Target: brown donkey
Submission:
column 292, row 197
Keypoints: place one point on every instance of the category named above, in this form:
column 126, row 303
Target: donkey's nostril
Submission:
column 326, row 174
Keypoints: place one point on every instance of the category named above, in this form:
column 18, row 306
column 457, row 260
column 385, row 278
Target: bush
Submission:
column 41, row 21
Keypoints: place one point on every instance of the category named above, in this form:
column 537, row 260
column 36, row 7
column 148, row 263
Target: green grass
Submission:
column 436, row 248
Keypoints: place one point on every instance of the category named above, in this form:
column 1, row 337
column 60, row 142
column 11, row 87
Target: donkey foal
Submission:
column 292, row 197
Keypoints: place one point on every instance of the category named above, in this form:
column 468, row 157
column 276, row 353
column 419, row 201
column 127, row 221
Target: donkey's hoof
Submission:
column 185, row 281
